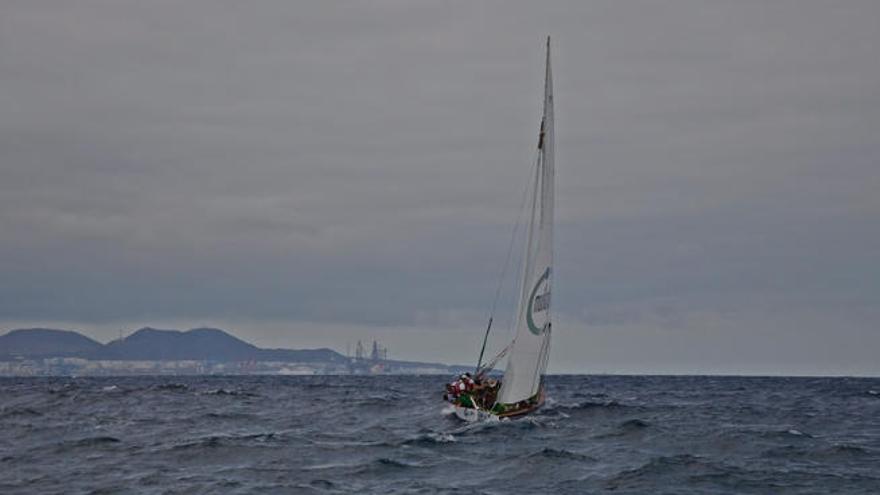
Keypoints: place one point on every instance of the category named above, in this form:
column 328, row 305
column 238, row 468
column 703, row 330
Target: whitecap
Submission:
column 442, row 437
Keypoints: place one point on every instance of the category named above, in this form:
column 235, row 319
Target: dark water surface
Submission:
column 388, row 435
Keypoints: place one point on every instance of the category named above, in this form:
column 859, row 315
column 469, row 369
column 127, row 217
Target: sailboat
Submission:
column 521, row 390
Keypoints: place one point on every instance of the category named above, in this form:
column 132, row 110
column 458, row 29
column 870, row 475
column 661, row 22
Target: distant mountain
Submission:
column 151, row 344
column 46, row 342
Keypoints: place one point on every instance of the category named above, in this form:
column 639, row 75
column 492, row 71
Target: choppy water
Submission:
column 388, row 435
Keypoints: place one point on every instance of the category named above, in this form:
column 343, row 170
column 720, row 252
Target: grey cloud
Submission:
column 360, row 164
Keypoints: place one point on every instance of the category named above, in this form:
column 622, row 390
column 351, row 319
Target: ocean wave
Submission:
column 589, row 405
column 348, row 444
column 330, row 465
column 740, row 432
column 561, row 454
column 16, row 412
column 228, row 415
column 201, row 443
column 784, row 433
column 651, row 435
column 97, row 440
column 634, row 424
column 322, row 484
column 88, row 442
column 591, row 396
column 430, row 439
column 383, row 465
column 391, row 400
column 225, row 392
column 259, row 437
column 837, row 452
column 848, row 450
column 396, row 463
column 629, row 427
column 214, row 441
column 64, row 389
column 170, row 387
column 663, row 467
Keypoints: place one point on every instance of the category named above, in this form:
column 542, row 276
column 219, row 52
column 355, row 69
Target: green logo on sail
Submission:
column 538, row 304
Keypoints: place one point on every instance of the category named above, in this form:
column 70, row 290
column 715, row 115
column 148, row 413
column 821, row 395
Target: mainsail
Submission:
column 527, row 355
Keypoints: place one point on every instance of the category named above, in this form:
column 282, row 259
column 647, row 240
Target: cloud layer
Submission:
column 312, row 173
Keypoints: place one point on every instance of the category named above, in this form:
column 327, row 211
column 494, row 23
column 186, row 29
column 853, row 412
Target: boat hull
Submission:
column 472, row 415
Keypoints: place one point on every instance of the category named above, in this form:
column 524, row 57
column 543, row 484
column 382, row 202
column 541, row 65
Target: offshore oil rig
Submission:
column 372, row 363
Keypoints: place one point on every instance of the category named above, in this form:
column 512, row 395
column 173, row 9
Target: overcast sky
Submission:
column 310, row 174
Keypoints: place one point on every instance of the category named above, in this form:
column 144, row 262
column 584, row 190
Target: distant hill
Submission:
column 46, row 342
column 151, row 344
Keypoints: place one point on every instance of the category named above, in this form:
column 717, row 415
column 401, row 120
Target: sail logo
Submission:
column 539, row 303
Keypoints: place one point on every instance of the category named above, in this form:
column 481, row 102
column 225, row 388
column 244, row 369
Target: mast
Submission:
column 529, row 351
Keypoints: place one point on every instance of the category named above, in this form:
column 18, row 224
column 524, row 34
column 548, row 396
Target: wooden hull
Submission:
column 523, row 411
column 472, row 415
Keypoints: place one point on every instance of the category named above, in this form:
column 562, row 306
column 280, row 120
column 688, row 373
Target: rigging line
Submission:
column 506, row 265
column 516, row 224
column 491, row 364
column 483, row 348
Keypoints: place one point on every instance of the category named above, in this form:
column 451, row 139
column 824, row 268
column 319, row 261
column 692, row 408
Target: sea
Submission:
column 394, row 434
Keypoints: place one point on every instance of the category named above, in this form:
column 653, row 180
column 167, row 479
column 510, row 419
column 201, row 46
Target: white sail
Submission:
column 527, row 358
